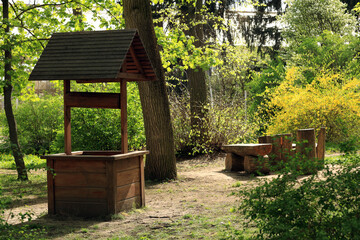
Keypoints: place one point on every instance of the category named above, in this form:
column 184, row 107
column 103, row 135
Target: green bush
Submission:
column 100, row 129
column 323, row 206
column 38, row 122
column 225, row 123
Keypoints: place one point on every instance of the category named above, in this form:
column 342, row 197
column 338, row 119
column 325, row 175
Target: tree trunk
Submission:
column 160, row 163
column 197, row 79
column 14, row 143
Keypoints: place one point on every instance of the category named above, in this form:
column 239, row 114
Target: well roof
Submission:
column 96, row 55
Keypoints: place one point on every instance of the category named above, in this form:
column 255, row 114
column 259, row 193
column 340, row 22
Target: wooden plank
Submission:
column 50, row 186
column 77, row 49
column 130, row 154
column 80, row 180
column 89, row 44
column 248, row 149
column 81, row 209
column 76, row 68
column 127, row 177
column 128, row 204
column 320, row 149
column 135, row 59
column 128, row 191
column 80, row 194
column 72, row 77
column 131, row 76
column 142, row 180
column 92, row 100
column 111, row 187
column 234, row 162
column 84, row 57
column 67, row 120
column 69, row 71
column 80, row 166
column 102, row 153
column 127, row 164
column 82, row 62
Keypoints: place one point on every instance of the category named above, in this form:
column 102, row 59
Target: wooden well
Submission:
column 95, row 183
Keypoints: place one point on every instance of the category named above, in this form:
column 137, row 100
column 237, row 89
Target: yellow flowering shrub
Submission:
column 330, row 100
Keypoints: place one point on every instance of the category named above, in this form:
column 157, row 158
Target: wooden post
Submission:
column 234, row 162
column 123, row 105
column 50, row 186
column 67, row 119
column 286, row 147
column 320, row 149
column 142, row 181
column 305, row 146
column 306, row 142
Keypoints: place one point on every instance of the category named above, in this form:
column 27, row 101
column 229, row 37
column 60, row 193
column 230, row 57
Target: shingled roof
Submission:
column 97, row 55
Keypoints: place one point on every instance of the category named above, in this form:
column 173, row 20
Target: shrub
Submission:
column 330, row 100
column 100, row 129
column 226, row 123
column 316, row 207
column 38, row 121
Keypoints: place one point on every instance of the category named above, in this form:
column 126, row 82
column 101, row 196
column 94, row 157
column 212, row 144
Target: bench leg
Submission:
column 234, row 162
column 253, row 165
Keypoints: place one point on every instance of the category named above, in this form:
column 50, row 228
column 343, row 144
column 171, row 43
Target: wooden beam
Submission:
column 92, row 100
column 67, row 120
column 133, row 76
column 123, row 103
column 136, row 61
column 320, row 149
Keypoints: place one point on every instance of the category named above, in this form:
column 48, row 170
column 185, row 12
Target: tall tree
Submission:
column 161, row 162
column 197, row 76
column 310, row 18
column 7, row 90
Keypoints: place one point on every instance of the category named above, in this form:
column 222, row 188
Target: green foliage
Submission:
column 263, row 81
column 231, row 77
column 100, row 129
column 327, row 52
column 316, row 207
column 40, row 123
column 32, row 162
column 33, row 24
column 310, row 18
column 226, row 123
column 178, row 48
column 38, row 120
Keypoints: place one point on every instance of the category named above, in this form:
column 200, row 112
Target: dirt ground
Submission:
column 202, row 187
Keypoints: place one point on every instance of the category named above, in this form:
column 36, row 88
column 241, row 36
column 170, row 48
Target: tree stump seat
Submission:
column 247, row 157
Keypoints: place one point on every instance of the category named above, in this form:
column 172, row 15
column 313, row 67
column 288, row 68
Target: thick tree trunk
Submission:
column 15, row 146
column 197, row 80
column 160, row 163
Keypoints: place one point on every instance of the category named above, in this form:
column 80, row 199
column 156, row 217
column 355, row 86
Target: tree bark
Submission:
column 197, row 79
column 14, row 142
column 161, row 162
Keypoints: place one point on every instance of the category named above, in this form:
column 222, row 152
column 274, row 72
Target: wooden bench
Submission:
column 247, row 157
